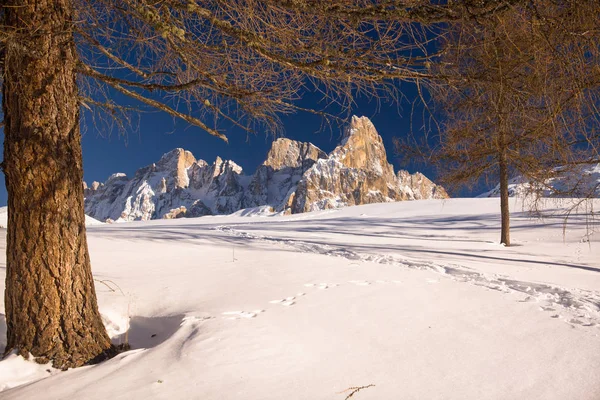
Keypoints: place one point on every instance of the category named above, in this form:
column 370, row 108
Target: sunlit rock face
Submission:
column 418, row 187
column 357, row 172
column 296, row 177
column 152, row 192
column 276, row 180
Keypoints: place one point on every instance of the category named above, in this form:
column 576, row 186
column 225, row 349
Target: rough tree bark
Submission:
column 504, row 210
column 50, row 300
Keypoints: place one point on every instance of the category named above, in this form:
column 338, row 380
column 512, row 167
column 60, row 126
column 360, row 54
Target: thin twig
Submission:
column 355, row 390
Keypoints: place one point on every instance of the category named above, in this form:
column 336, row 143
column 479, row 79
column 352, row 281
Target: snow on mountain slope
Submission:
column 416, row 298
column 582, row 181
column 296, row 177
column 4, row 219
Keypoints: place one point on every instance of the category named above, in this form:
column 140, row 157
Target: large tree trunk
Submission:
column 504, row 211
column 51, row 309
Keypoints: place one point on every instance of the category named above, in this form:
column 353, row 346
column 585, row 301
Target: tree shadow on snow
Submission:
column 148, row 332
column 434, row 228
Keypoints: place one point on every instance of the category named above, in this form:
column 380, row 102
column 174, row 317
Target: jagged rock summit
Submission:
column 275, row 181
column 357, row 172
column 296, row 177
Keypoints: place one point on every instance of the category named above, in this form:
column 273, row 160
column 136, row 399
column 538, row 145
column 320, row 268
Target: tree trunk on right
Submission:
column 504, row 211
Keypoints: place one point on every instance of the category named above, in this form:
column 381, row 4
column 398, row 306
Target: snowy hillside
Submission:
column 296, row 177
column 583, row 181
column 415, row 298
column 4, row 219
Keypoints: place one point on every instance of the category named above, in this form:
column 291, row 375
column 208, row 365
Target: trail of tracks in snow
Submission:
column 582, row 307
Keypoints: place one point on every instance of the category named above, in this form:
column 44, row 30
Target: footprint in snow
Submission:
column 360, row 283
column 326, row 285
column 241, row 314
column 288, row 301
column 321, row 285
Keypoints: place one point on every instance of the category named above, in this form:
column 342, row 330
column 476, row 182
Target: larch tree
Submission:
column 198, row 60
column 521, row 97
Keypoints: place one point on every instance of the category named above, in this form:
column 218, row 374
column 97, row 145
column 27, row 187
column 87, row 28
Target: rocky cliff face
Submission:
column 296, row 177
column 418, row 187
column 276, row 180
column 145, row 196
column 357, row 172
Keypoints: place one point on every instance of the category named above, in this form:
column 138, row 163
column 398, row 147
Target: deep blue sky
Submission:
column 158, row 133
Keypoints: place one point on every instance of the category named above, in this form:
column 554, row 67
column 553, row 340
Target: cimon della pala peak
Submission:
column 296, row 177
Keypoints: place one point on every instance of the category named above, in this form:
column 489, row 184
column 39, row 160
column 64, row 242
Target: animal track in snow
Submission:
column 321, row 285
column 571, row 301
column 288, row 301
column 241, row 314
column 326, row 285
column 360, row 283
column 291, row 300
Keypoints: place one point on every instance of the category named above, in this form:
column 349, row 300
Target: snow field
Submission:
column 412, row 297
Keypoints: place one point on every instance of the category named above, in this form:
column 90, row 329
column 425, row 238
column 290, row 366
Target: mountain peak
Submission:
column 363, row 148
column 290, row 153
column 176, row 156
column 361, row 126
column 176, row 163
column 295, row 177
column 357, row 172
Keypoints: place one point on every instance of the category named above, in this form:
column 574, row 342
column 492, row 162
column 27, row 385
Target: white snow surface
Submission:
column 4, row 219
column 415, row 298
column 260, row 211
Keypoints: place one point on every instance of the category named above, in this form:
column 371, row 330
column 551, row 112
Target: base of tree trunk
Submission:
column 109, row 353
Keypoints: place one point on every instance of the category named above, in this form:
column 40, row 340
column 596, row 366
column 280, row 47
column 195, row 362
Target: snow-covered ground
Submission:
column 415, row 298
column 4, row 219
